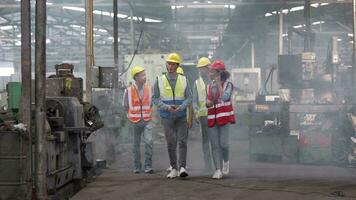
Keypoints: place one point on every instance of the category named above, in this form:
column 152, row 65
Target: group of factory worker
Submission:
column 172, row 94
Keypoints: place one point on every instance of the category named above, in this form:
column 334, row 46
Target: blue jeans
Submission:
column 219, row 138
column 142, row 129
column 205, row 142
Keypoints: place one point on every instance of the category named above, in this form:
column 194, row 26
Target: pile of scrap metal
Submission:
column 70, row 157
column 305, row 122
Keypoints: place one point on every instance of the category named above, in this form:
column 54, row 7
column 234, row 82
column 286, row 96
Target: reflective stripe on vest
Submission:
column 171, row 96
column 201, row 90
column 139, row 108
column 220, row 113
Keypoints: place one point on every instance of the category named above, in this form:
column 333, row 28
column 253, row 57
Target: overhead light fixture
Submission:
column 202, row 37
column 297, row 8
column 102, row 30
column 112, row 38
column 285, row 11
column 230, row 6
column 318, row 22
column 298, row 26
column 152, row 20
column 195, row 1
column 79, row 9
column 324, row 4
column 8, row 71
column 350, row 34
column 206, row 5
column 209, row 2
column 274, row 12
column 268, row 14
column 315, row 5
column 339, row 39
column 5, row 27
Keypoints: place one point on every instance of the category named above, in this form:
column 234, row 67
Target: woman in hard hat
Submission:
column 200, row 109
column 172, row 96
column 138, row 104
column 220, row 115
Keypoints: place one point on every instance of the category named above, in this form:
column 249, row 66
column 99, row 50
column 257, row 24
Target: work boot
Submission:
column 183, row 172
column 136, row 171
column 172, row 174
column 217, row 174
column 149, row 170
column 226, row 167
column 169, row 169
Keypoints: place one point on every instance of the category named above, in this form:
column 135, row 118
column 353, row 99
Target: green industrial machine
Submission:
column 13, row 90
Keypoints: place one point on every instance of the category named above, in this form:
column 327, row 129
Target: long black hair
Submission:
column 224, row 75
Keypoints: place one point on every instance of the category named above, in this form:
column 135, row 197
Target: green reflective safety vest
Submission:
column 201, row 89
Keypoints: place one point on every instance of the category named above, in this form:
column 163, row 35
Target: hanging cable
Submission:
column 138, row 42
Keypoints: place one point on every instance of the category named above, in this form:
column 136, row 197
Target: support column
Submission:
column 89, row 52
column 280, row 32
column 25, row 105
column 40, row 93
column 354, row 46
column 252, row 54
column 132, row 31
column 308, row 31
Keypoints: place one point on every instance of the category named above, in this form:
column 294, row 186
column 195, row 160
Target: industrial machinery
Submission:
column 247, row 83
column 303, row 123
column 70, row 157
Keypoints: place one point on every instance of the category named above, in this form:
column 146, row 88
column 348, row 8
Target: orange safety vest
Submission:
column 139, row 108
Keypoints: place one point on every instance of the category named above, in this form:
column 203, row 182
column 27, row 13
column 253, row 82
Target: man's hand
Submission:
column 209, row 103
column 196, row 117
column 173, row 109
column 189, row 124
column 218, row 79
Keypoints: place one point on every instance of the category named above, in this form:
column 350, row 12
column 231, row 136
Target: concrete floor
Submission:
column 247, row 180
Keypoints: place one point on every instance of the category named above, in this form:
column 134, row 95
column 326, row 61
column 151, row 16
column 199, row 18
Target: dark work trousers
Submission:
column 205, row 142
column 176, row 132
column 219, row 138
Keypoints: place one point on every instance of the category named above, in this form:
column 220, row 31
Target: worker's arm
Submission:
column 196, row 107
column 125, row 100
column 195, row 99
column 157, row 99
column 188, row 97
column 227, row 92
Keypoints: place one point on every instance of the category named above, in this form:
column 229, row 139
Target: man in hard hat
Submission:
column 138, row 104
column 200, row 109
column 172, row 96
column 180, row 71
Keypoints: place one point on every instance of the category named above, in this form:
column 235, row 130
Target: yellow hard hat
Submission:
column 173, row 57
column 135, row 70
column 203, row 62
column 180, row 70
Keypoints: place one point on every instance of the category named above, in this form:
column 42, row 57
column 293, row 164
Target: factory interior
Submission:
column 128, row 99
